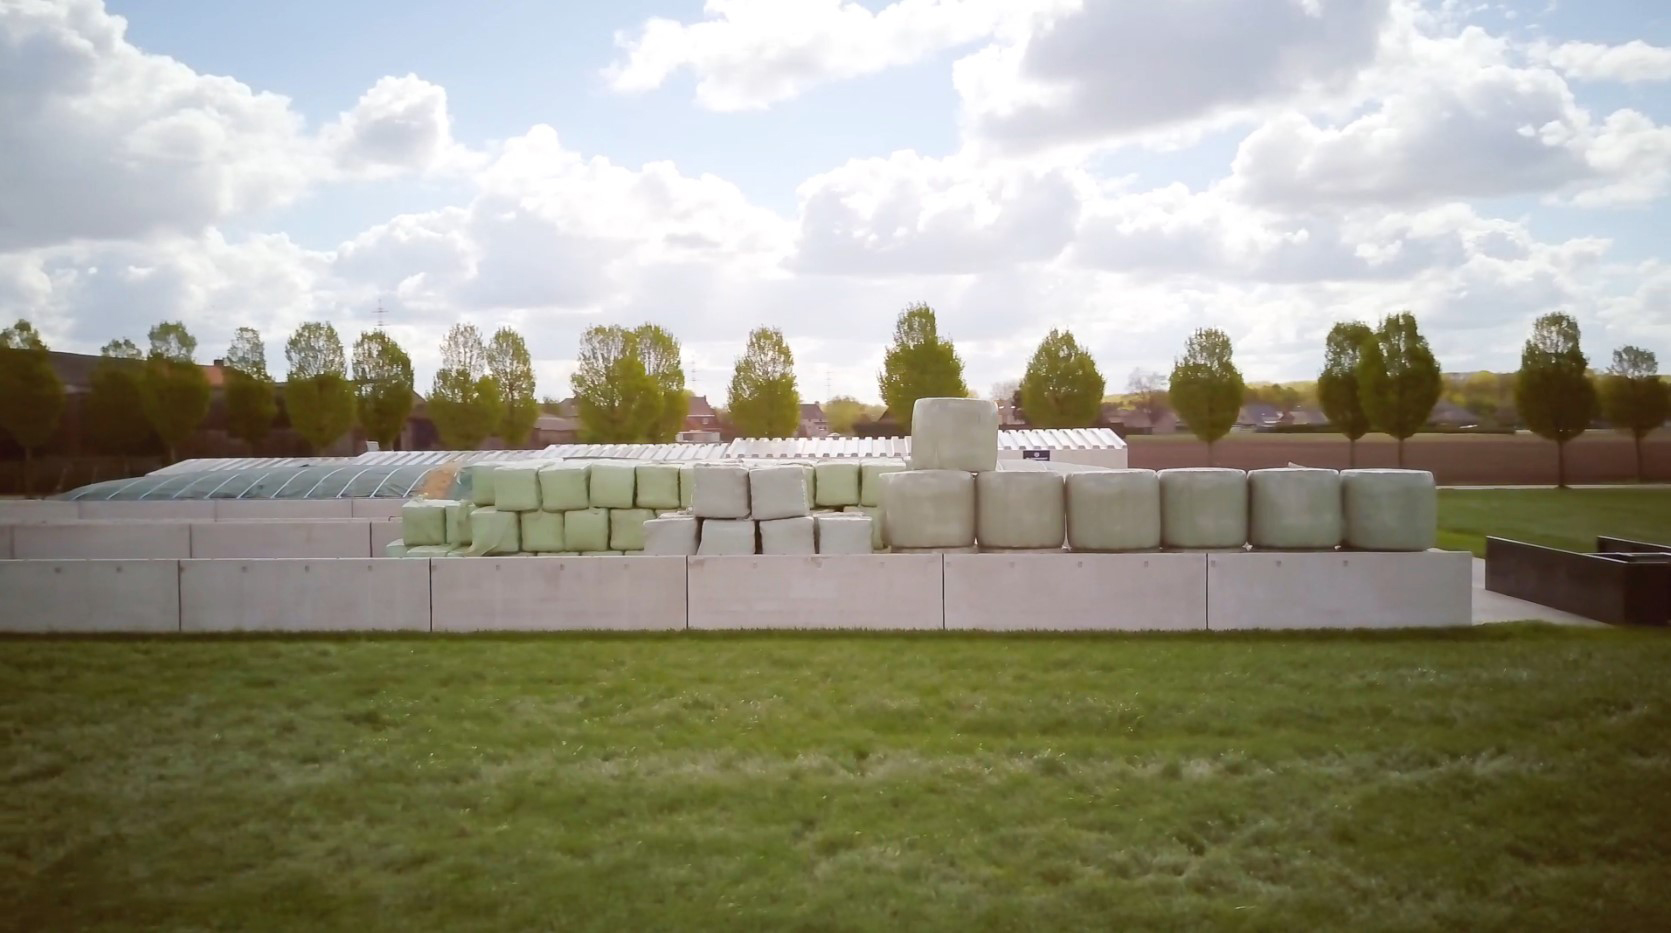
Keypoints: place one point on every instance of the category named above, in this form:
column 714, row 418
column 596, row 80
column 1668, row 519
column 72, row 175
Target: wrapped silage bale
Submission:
column 611, row 485
column 836, row 483
column 1019, row 511
column 789, row 536
column 686, row 486
column 954, row 434
column 1203, row 508
column 494, row 531
column 777, row 492
column 479, row 477
column 843, row 533
column 427, row 551
column 811, row 471
column 929, row 509
column 563, row 487
column 719, row 490
column 725, row 537
column 870, row 479
column 1390, row 510
column 458, row 522
column 542, row 532
column 1113, row 510
column 396, row 548
column 586, row 530
column 516, row 486
column 1295, row 509
column 670, row 536
column 423, row 522
column 658, row 485
column 626, row 528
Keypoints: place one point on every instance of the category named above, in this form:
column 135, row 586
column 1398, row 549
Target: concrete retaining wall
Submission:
column 304, row 595
column 28, row 511
column 383, row 532
column 1264, row 590
column 889, row 591
column 375, row 508
column 1076, row 592
column 473, row 594
column 274, row 539
column 291, row 509
column 90, row 596
column 193, row 510
column 6, row 542
column 102, row 541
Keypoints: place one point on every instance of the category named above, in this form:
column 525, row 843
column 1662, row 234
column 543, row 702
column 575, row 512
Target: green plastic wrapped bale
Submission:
column 542, row 531
column 1113, row 510
column 462, row 550
column 626, row 528
column 959, row 434
column 870, row 479
column 878, row 532
column 611, row 485
column 586, row 530
column 1020, row 511
column 458, row 522
column 836, row 484
column 494, row 532
column 1390, row 510
column 929, row 509
column 516, row 487
column 1203, row 508
column 686, row 487
column 478, row 478
column 673, row 536
column 1294, row 509
column 428, row 550
column 563, row 487
column 423, row 522
column 658, row 485
column 395, row 549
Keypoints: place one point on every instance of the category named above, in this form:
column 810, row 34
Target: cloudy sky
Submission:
column 1130, row 169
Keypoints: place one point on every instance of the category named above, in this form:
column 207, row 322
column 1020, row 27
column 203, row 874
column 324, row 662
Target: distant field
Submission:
column 1497, row 778
column 1570, row 518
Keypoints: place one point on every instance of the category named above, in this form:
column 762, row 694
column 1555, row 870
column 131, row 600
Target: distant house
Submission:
column 555, row 429
column 813, row 422
column 1304, row 416
column 1127, row 421
column 1257, row 415
column 1447, row 415
column 700, row 416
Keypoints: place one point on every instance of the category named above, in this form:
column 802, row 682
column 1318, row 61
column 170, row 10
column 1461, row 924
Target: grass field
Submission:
column 1564, row 518
column 1495, row 778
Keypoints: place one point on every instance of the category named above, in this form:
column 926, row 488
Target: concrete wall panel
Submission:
column 1076, row 592
column 194, row 510
column 299, row 539
column 288, row 509
column 836, row 591
column 304, row 595
column 5, row 542
column 90, row 596
column 33, row 511
column 1267, row 590
column 473, row 594
column 102, row 541
column 375, row 508
column 382, row 532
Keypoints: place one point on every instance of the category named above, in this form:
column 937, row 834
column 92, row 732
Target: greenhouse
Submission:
column 316, row 481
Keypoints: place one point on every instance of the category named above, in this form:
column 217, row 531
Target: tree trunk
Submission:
column 1209, row 453
column 1401, row 453
column 28, row 468
column 1560, row 464
column 1639, row 477
column 1351, row 453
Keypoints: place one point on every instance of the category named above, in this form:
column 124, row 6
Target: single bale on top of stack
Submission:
column 837, row 483
column 932, row 505
column 954, row 434
column 1295, row 509
column 1113, row 510
column 658, row 486
column 1390, row 510
column 1203, row 508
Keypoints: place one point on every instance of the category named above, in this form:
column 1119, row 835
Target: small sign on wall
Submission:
column 1035, row 455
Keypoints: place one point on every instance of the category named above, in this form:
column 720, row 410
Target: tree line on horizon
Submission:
column 629, row 385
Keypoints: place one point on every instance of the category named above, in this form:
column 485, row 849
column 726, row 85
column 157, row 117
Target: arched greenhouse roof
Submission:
column 345, row 480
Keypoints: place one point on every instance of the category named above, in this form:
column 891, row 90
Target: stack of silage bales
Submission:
column 768, row 508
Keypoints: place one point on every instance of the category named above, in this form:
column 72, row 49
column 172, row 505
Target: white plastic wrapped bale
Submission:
column 395, row 548
column 493, row 531
column 719, row 490
column 954, row 434
column 870, row 479
column 836, row 483
column 776, row 492
column 1019, row 510
column 1390, row 510
column 1294, row 509
column 670, row 536
column 789, row 536
column 423, row 522
column 458, row 522
column 658, row 485
column 1113, row 510
column 724, row 537
column 843, row 533
column 479, row 478
column 626, row 528
column 811, row 471
column 929, row 509
column 516, row 486
column 563, row 487
column 611, row 485
column 428, row 551
column 542, row 531
column 1203, row 508
column 686, row 487
column 586, row 529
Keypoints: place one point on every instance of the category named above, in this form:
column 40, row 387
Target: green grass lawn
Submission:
column 1509, row 777
column 1564, row 518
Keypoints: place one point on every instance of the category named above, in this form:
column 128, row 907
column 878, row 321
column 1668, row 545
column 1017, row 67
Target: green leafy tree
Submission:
column 113, row 415
column 317, row 393
column 660, row 352
column 1206, row 387
column 382, row 387
column 764, row 401
column 919, row 364
column 1398, row 379
column 176, row 391
column 465, row 402
column 31, row 395
column 1146, row 393
column 844, row 412
column 250, row 402
column 512, row 368
column 618, row 400
column 1337, row 385
column 1634, row 397
column 1062, row 387
column 1554, row 392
